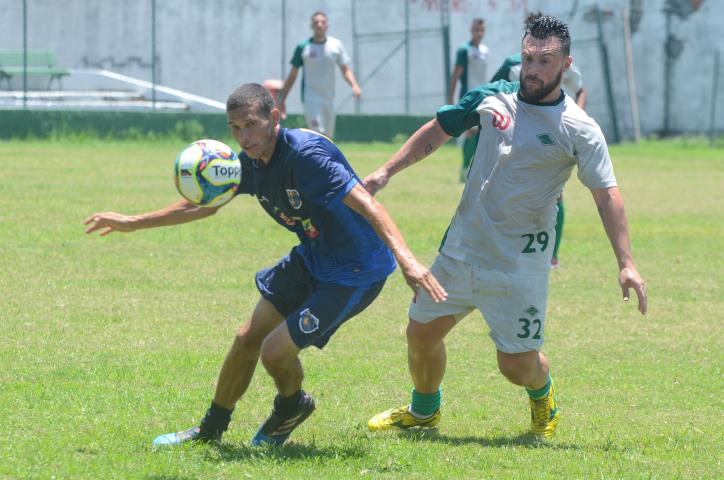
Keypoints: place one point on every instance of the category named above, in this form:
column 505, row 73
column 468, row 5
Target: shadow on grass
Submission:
column 526, row 440
column 226, row 452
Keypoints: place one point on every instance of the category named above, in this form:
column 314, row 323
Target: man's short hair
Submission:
column 318, row 13
column 477, row 21
column 532, row 17
column 545, row 27
column 251, row 95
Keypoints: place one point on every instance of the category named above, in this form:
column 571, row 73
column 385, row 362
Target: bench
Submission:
column 39, row 64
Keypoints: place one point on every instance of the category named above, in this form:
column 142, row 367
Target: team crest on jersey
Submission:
column 295, row 200
column 501, row 121
column 545, row 139
column 308, row 323
column 532, row 311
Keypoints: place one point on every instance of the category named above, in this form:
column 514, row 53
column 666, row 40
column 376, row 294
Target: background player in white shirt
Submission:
column 495, row 255
column 471, row 69
column 319, row 55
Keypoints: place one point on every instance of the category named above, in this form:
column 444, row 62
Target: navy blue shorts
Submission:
column 313, row 310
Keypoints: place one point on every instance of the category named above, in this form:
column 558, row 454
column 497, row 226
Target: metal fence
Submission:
column 184, row 54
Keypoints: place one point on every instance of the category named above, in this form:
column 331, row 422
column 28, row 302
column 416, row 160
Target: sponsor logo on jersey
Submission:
column 308, row 323
column 295, row 200
column 501, row 121
column 532, row 311
column 545, row 139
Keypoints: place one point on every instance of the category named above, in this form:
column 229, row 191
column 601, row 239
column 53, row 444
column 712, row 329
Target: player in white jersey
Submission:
column 319, row 56
column 496, row 253
column 471, row 69
column 572, row 85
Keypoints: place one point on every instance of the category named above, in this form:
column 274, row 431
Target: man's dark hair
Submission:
column 478, row 21
column 318, row 13
column 545, row 27
column 532, row 17
column 251, row 95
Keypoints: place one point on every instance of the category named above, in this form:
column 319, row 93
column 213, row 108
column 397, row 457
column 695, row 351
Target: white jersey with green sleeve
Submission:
column 319, row 62
column 474, row 62
column 525, row 154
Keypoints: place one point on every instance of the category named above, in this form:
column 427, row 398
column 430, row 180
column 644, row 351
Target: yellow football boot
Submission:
column 544, row 415
column 401, row 418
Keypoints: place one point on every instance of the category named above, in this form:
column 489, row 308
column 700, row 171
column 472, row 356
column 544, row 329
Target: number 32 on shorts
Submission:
column 539, row 240
column 527, row 328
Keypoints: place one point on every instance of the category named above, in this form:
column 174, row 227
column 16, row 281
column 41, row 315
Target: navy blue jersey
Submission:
column 302, row 188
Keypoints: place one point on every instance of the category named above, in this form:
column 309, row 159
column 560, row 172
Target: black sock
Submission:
column 216, row 420
column 287, row 405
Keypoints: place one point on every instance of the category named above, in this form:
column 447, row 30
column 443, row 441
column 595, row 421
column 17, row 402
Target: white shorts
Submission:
column 513, row 304
column 320, row 116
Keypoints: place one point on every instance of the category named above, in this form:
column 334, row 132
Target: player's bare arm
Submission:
column 421, row 144
column 348, row 76
column 175, row 214
column 457, row 72
column 416, row 275
column 582, row 98
column 288, row 84
column 613, row 215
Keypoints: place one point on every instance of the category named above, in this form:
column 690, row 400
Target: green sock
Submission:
column 541, row 392
column 560, row 217
column 425, row 404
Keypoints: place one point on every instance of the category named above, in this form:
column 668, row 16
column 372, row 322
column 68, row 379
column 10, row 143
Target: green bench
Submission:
column 40, row 64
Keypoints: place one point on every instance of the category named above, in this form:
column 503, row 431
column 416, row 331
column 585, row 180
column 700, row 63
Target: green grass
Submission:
column 107, row 342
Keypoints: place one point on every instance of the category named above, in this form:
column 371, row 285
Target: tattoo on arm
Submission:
column 416, row 157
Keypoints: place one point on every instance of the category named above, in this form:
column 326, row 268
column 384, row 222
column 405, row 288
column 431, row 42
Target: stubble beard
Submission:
column 537, row 94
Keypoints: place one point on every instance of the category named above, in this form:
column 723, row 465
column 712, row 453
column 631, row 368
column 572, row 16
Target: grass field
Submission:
column 107, row 342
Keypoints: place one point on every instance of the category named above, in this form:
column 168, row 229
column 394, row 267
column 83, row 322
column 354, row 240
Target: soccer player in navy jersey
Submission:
column 347, row 247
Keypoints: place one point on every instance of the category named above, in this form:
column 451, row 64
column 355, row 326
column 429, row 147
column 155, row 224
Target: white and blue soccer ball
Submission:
column 207, row 173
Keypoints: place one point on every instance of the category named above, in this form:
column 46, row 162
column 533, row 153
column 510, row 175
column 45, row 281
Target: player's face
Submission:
column 542, row 68
column 255, row 133
column 319, row 25
column 477, row 32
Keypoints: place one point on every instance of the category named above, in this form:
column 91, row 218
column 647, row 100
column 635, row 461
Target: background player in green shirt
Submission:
column 471, row 69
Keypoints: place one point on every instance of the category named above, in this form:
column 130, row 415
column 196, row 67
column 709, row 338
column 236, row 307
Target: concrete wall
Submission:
column 209, row 47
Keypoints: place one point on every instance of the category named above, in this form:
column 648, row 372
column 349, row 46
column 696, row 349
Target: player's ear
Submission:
column 567, row 63
column 276, row 115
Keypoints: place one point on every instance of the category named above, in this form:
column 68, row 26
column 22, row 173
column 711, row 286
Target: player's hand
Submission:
column 417, row 276
column 356, row 91
column 108, row 222
column 630, row 278
column 376, row 181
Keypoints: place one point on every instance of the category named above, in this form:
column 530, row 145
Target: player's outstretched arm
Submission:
column 610, row 207
column 416, row 275
column 422, row 143
column 177, row 213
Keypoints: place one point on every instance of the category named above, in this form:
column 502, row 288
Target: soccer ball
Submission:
column 207, row 173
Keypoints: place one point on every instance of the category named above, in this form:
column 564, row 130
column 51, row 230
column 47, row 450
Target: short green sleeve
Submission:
column 457, row 119
column 504, row 70
column 461, row 59
column 297, row 57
